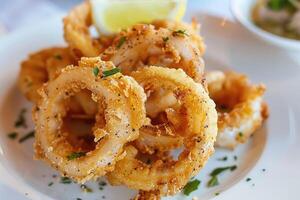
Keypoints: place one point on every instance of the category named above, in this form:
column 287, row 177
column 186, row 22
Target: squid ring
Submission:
column 144, row 45
column 241, row 109
column 124, row 115
column 199, row 136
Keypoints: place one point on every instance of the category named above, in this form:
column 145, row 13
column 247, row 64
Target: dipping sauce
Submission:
column 280, row 17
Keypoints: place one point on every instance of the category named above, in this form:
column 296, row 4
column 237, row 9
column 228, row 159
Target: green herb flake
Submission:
column 58, row 57
column 26, row 137
column 121, row 42
column 75, row 155
column 85, row 188
column 219, row 170
column 213, row 181
column 50, row 184
column 225, row 158
column 217, row 193
column 248, row 179
column 241, row 134
column 65, row 180
column 102, row 183
column 96, row 71
column 191, row 186
column 12, row 135
column 111, row 72
column 180, row 33
column 21, row 122
column 277, row 5
column 165, row 39
column 235, row 158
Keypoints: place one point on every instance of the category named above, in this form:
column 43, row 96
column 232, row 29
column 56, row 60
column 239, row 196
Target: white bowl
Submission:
column 242, row 9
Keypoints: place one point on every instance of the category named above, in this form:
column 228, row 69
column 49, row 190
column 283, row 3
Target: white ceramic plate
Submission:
column 274, row 147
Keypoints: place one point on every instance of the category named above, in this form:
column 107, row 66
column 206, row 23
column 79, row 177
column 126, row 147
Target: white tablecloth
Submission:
column 17, row 14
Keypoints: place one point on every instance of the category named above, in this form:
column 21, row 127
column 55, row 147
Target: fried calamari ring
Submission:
column 199, row 132
column 143, row 45
column 39, row 68
column 124, row 115
column 241, row 109
column 77, row 34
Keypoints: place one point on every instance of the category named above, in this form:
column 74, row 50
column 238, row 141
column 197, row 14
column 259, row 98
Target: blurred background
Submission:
column 18, row 14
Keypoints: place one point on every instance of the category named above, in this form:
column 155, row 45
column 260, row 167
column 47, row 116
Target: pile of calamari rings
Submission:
column 118, row 105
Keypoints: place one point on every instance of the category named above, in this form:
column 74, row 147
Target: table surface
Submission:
column 54, row 7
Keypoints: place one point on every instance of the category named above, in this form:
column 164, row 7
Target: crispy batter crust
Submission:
column 124, row 115
column 169, row 177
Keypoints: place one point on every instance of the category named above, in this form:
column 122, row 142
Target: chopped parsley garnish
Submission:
column 191, row 186
column 219, row 170
column 277, row 5
column 65, row 180
column 241, row 134
column 85, row 188
column 12, row 135
column 213, row 181
column 121, row 42
column 96, row 71
column 50, row 184
column 111, row 72
column 214, row 175
column 21, row 119
column 235, row 157
column 165, row 39
column 217, row 193
column 180, row 33
column 102, row 183
column 58, row 57
column 27, row 136
column 75, row 155
column 248, row 179
column 225, row 158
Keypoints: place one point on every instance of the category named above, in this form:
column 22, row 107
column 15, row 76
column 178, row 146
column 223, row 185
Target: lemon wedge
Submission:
column 110, row 16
